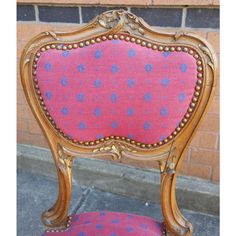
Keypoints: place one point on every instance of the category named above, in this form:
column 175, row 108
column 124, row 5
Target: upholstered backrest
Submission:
column 117, row 86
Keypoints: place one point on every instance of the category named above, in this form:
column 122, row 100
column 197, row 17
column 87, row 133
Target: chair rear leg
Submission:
column 176, row 224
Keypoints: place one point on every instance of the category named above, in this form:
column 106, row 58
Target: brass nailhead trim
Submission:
column 68, row 224
column 144, row 44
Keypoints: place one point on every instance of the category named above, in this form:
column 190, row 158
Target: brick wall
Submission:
column 198, row 16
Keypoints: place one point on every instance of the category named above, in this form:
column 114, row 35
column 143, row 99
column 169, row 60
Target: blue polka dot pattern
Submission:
column 183, row 67
column 97, row 83
column 82, row 125
column 64, row 81
column 131, row 136
column 130, row 216
column 147, row 97
column 130, row 229
column 130, row 111
column 102, row 213
column 65, row 111
column 166, row 54
column 48, row 95
column 131, row 83
column 97, row 112
column 144, row 226
column 98, row 136
column 76, row 218
column 146, row 125
column 164, row 111
column 98, row 54
column 113, row 234
column 114, row 97
column 131, row 53
column 81, row 234
column 80, row 97
column 48, row 66
column 114, row 68
column 81, row 68
column 99, row 226
column 182, row 96
column 115, row 41
column 162, row 137
column 165, row 82
column 115, row 221
column 87, row 222
column 114, row 124
column 148, row 67
column 65, row 53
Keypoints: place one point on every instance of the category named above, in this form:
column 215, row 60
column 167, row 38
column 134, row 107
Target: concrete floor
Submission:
column 36, row 194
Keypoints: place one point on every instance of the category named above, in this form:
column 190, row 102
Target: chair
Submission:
column 116, row 88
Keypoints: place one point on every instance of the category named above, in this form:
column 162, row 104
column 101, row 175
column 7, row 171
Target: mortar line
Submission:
column 184, row 14
column 36, row 10
column 80, row 15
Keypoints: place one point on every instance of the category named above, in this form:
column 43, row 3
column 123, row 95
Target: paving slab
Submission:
column 36, row 193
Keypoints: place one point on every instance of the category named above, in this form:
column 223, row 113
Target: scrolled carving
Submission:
column 64, row 158
column 168, row 166
column 114, row 148
column 206, row 51
column 120, row 18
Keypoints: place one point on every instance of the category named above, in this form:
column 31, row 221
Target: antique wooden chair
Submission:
column 116, row 88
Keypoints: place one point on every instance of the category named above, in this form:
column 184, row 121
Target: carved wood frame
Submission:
column 169, row 153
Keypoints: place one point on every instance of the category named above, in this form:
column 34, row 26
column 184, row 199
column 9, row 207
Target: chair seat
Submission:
column 111, row 224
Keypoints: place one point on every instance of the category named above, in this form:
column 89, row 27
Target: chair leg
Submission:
column 176, row 224
column 57, row 216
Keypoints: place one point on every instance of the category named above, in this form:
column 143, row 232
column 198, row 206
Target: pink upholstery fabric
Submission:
column 111, row 224
column 117, row 88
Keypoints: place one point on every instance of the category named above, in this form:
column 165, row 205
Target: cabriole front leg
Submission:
column 57, row 216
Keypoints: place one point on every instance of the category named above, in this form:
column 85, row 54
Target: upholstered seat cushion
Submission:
column 111, row 224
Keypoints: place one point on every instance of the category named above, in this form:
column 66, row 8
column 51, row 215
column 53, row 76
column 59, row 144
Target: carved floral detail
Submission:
column 168, row 166
column 206, row 51
column 65, row 159
column 114, row 148
column 122, row 18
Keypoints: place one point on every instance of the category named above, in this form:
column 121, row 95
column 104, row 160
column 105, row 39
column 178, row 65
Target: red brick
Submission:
column 199, row 170
column 68, row 2
column 214, row 40
column 205, row 139
column 210, row 123
column 127, row 2
column 24, row 34
column 23, row 137
column 22, row 125
column 204, row 157
column 214, row 107
column 199, row 33
column 23, row 111
column 34, row 127
column 184, row 169
column 38, row 140
column 216, row 174
column 182, row 2
column 216, row 2
column 21, row 97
